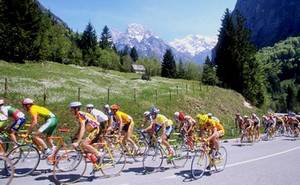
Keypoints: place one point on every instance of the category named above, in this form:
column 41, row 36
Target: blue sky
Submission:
column 169, row 19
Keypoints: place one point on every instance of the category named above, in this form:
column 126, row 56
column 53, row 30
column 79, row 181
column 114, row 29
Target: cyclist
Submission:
column 125, row 124
column 188, row 128
column 158, row 122
column 294, row 123
column 179, row 119
column 87, row 124
column 216, row 131
column 100, row 116
column 256, row 125
column 16, row 115
column 239, row 121
column 248, row 126
column 36, row 112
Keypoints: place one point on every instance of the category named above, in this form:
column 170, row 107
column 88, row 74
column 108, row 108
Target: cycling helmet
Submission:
column 209, row 114
column 106, row 106
column 147, row 113
column 1, row 101
column 154, row 110
column 75, row 104
column 176, row 114
column 89, row 106
column 245, row 116
column 115, row 107
column 27, row 101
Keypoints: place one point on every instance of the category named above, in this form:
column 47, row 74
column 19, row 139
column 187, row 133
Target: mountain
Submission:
column 194, row 48
column 270, row 20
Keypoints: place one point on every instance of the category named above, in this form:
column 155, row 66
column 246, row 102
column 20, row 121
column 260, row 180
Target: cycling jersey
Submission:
column 89, row 120
column 36, row 110
column 126, row 119
column 161, row 119
column 214, row 124
column 99, row 115
column 12, row 112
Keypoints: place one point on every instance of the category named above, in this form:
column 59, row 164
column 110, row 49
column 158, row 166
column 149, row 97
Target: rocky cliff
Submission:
column 270, row 20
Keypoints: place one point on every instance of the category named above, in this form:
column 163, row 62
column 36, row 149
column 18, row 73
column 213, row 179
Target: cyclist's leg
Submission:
column 166, row 132
column 46, row 129
column 128, row 134
column 87, row 142
column 18, row 124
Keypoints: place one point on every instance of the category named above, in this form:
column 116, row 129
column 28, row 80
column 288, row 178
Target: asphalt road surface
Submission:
column 275, row 162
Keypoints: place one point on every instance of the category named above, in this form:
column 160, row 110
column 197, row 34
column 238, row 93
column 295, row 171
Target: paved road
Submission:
column 275, row 162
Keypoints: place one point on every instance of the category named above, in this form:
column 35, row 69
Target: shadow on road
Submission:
column 187, row 176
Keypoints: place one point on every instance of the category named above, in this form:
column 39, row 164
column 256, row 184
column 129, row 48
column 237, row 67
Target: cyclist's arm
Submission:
column 119, row 119
column 32, row 123
column 215, row 130
column 80, row 132
column 149, row 127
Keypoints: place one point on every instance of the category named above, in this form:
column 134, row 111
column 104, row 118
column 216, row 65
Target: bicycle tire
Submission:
column 6, row 170
column 69, row 166
column 181, row 156
column 199, row 164
column 220, row 162
column 153, row 154
column 25, row 159
column 113, row 160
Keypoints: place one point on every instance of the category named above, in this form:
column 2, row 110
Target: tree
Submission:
column 20, row 24
column 133, row 54
column 168, row 66
column 181, row 72
column 209, row 75
column 88, row 44
column 106, row 39
column 126, row 63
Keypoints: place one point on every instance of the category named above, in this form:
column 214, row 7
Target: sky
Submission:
column 168, row 19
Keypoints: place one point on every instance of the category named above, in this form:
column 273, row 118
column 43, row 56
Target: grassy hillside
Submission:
column 61, row 83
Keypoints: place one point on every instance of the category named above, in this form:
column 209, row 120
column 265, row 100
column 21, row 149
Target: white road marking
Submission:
column 261, row 158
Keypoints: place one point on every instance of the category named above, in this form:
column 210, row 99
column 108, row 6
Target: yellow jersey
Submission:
column 126, row 119
column 39, row 111
column 161, row 119
column 214, row 124
column 89, row 120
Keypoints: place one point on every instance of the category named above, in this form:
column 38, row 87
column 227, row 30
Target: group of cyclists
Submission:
column 93, row 124
column 271, row 123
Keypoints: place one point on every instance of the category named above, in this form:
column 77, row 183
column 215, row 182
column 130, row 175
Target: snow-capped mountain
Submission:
column 146, row 43
column 192, row 47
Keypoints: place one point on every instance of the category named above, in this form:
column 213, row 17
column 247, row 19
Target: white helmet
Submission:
column 89, row 106
column 106, row 106
column 209, row 114
column 176, row 114
column 75, row 104
column 147, row 113
column 27, row 101
column 1, row 101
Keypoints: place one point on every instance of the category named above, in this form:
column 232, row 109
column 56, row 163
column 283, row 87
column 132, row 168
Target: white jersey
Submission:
column 99, row 115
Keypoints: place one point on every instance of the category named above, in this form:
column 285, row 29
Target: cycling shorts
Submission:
column 49, row 127
column 18, row 124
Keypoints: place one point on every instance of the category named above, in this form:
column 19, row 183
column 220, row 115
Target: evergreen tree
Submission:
column 106, row 39
column 134, row 55
column 20, row 23
column 209, row 76
column 181, row 71
column 168, row 66
column 88, row 44
column 125, row 51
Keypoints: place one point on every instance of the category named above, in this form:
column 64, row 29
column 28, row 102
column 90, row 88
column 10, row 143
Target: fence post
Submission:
column 108, row 94
column 45, row 95
column 193, row 88
column 186, row 88
column 78, row 95
column 177, row 89
column 170, row 95
column 156, row 96
column 5, row 87
column 134, row 95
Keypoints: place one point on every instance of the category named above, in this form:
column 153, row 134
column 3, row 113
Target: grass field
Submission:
column 61, row 82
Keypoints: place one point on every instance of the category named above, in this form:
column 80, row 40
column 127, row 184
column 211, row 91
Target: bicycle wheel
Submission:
column 6, row 170
column 25, row 159
column 142, row 148
column 69, row 167
column 153, row 159
column 181, row 156
column 220, row 159
column 199, row 164
column 113, row 160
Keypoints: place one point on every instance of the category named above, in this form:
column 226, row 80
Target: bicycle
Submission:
column 208, row 159
column 71, row 167
column 26, row 156
column 6, row 170
column 155, row 154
